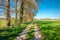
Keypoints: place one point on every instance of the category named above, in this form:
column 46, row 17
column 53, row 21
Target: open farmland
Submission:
column 50, row 29
column 2, row 23
column 29, row 19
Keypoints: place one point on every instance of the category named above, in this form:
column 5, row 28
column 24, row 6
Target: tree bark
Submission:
column 8, row 12
column 16, row 13
column 21, row 12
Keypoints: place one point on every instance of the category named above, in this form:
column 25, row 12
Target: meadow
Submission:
column 11, row 32
column 3, row 23
column 50, row 29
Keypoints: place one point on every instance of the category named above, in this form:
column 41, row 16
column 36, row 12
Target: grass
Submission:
column 30, row 34
column 11, row 32
column 2, row 23
column 50, row 29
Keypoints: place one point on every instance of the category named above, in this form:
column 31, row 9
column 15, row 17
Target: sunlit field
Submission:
column 3, row 23
column 50, row 29
column 11, row 32
column 29, row 19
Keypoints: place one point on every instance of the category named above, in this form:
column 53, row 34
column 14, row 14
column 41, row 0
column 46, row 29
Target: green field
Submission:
column 50, row 29
column 30, row 34
column 3, row 23
column 11, row 32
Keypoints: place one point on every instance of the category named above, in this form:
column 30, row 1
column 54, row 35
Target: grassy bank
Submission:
column 12, row 31
column 50, row 29
column 30, row 34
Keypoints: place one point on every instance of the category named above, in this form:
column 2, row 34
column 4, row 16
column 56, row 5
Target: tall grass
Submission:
column 30, row 34
column 11, row 32
column 50, row 29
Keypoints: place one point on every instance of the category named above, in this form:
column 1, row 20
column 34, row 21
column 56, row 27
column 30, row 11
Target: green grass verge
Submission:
column 11, row 32
column 50, row 29
column 30, row 34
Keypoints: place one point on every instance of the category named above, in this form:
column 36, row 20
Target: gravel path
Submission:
column 24, row 33
column 37, row 33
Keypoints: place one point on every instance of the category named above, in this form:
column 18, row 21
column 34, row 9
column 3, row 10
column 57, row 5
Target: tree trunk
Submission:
column 21, row 12
column 8, row 12
column 16, row 13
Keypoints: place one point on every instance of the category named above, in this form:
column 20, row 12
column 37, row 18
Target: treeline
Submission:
column 25, row 10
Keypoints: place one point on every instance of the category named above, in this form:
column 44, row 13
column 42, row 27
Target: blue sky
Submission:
column 48, row 9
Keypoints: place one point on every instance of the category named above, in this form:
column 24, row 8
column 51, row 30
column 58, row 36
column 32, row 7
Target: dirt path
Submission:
column 24, row 33
column 37, row 33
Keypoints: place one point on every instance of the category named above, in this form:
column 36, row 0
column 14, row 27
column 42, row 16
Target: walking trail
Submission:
column 37, row 33
column 24, row 33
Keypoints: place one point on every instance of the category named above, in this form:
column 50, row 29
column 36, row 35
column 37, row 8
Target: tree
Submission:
column 8, row 12
column 32, row 6
column 16, row 12
column 21, row 11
